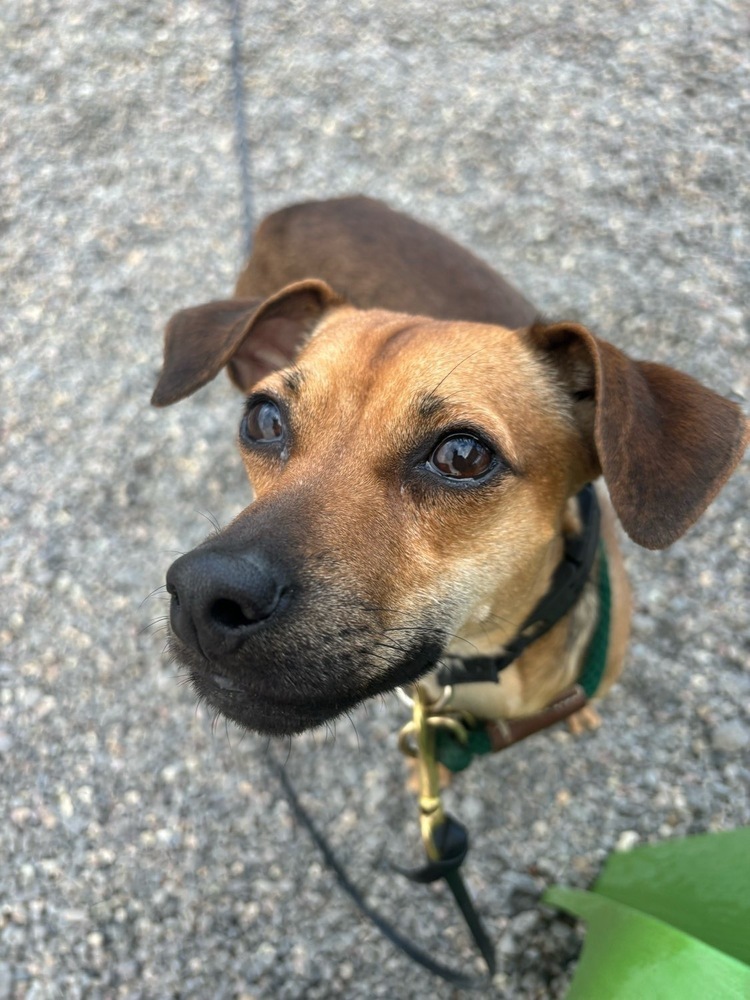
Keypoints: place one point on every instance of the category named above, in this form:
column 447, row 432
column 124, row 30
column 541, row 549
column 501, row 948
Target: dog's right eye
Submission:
column 262, row 423
column 461, row 456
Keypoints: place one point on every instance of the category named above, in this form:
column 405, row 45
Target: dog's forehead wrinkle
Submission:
column 398, row 339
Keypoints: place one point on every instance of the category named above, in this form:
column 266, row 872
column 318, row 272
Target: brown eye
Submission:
column 262, row 422
column 461, row 457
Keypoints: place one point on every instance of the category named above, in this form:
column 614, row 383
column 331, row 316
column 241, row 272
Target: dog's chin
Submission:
column 263, row 715
column 279, row 713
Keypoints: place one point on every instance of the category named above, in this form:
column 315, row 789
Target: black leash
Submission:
column 453, row 847
column 240, row 128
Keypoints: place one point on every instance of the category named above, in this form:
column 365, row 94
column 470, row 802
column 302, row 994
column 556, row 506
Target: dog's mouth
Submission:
column 261, row 713
column 286, row 708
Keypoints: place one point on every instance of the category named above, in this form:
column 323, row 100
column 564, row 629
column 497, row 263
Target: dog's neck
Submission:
column 566, row 588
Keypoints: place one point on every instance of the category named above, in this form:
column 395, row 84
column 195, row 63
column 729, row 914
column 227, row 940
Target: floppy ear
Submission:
column 253, row 337
column 665, row 443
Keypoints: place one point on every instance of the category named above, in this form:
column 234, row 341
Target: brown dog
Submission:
column 416, row 478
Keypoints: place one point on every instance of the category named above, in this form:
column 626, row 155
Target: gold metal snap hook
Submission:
column 431, row 815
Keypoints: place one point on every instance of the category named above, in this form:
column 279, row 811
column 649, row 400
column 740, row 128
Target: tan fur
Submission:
column 365, row 388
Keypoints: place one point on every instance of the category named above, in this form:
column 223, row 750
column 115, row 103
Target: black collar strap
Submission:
column 567, row 586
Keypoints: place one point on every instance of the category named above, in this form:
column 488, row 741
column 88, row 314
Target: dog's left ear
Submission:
column 250, row 337
column 665, row 443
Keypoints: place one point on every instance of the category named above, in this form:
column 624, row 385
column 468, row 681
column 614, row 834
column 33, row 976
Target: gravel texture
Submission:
column 599, row 155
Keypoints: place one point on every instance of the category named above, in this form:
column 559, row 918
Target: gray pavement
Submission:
column 599, row 155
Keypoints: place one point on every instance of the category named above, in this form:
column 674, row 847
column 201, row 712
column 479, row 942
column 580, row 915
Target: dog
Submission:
column 418, row 440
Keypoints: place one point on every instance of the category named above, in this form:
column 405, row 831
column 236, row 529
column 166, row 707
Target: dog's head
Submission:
column 410, row 480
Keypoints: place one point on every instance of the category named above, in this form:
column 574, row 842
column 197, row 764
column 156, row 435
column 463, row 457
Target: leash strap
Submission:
column 452, row 845
column 242, row 146
column 454, row 849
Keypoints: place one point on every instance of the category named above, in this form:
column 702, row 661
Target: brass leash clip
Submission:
column 445, row 840
column 417, row 739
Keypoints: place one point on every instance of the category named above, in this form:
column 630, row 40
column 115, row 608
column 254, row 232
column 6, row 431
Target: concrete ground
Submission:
column 599, row 155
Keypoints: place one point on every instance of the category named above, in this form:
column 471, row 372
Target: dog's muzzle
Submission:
column 279, row 645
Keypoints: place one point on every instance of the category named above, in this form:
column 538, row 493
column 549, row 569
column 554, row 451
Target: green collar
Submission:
column 596, row 655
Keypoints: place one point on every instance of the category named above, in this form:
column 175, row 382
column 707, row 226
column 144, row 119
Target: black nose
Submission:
column 219, row 598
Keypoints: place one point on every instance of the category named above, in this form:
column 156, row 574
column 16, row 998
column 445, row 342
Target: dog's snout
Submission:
column 219, row 598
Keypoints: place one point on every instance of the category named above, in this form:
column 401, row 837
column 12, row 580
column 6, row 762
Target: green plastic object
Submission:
column 457, row 756
column 667, row 921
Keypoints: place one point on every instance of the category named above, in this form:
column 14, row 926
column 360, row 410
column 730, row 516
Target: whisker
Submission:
column 356, row 732
column 386, row 659
column 152, row 594
column 157, row 621
column 330, row 727
column 448, row 635
column 479, row 351
column 210, row 518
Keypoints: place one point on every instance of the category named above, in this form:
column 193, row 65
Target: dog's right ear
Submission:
column 665, row 443
column 253, row 337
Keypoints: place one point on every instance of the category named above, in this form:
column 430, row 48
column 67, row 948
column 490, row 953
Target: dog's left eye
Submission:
column 262, row 422
column 461, row 456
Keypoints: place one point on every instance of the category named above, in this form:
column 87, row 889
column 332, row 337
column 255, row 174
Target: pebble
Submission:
column 730, row 737
column 524, row 922
column 627, row 840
